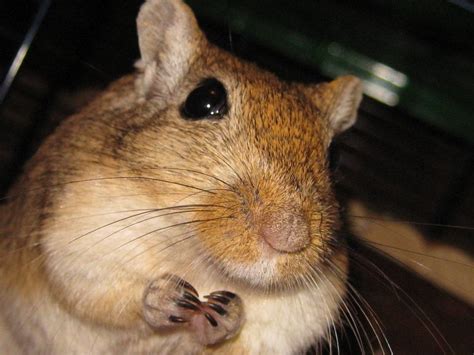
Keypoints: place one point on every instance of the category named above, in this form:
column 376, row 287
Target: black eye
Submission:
column 333, row 157
column 208, row 100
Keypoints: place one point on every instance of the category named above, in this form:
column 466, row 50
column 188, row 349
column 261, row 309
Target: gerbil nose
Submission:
column 285, row 231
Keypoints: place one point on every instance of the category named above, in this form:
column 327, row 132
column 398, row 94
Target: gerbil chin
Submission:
column 188, row 209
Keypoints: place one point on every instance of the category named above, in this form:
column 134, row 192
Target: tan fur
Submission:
column 89, row 223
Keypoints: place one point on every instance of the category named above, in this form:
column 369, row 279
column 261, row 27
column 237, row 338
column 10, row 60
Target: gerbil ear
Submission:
column 169, row 39
column 338, row 100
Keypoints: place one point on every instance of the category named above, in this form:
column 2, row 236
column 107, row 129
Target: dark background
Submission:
column 413, row 160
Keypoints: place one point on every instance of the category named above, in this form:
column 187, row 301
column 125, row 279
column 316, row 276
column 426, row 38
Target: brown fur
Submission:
column 130, row 149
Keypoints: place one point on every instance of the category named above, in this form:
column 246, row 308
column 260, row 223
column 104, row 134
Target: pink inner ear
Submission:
column 337, row 101
column 347, row 97
column 169, row 38
column 286, row 231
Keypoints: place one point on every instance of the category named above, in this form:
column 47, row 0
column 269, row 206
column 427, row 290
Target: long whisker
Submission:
column 390, row 220
column 140, row 214
column 417, row 311
column 363, row 305
column 415, row 252
column 338, row 273
column 345, row 309
column 169, row 227
column 331, row 322
column 139, row 222
column 201, row 173
column 183, row 237
column 145, row 178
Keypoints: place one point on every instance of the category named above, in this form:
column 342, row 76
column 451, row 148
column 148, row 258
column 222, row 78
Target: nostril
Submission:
column 285, row 231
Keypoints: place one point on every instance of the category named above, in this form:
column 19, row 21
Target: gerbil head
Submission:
column 251, row 150
column 257, row 145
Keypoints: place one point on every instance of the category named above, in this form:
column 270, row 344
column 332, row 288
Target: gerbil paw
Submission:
column 170, row 302
column 221, row 318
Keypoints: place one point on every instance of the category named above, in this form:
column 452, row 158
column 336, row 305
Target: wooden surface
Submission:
column 410, row 308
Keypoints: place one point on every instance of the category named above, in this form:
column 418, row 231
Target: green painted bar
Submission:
column 398, row 68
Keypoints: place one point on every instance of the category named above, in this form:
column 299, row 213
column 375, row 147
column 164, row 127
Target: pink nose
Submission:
column 286, row 231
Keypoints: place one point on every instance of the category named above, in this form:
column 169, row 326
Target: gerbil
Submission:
column 199, row 174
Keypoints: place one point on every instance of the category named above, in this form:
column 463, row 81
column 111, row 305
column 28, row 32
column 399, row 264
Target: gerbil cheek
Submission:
column 225, row 234
column 230, row 243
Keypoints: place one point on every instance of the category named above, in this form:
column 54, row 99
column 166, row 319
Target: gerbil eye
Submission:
column 333, row 157
column 208, row 100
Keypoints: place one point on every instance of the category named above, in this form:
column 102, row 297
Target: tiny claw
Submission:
column 192, row 298
column 224, row 294
column 188, row 305
column 211, row 319
column 220, row 299
column 218, row 309
column 175, row 319
column 186, row 285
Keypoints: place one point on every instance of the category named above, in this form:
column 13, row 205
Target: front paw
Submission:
column 222, row 317
column 170, row 302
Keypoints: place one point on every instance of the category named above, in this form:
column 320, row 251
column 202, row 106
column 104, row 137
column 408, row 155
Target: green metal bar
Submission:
column 397, row 69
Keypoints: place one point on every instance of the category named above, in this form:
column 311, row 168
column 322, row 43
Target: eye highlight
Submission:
column 207, row 100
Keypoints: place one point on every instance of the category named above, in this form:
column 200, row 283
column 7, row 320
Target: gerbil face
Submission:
column 258, row 156
column 278, row 218
column 265, row 163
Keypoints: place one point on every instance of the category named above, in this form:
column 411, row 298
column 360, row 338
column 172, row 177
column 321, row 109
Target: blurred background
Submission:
column 410, row 156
